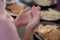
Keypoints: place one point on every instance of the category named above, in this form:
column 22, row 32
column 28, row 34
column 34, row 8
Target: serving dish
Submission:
column 50, row 15
column 14, row 8
column 44, row 23
column 45, row 2
column 32, row 3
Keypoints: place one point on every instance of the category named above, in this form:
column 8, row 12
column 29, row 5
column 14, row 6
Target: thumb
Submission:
column 8, row 16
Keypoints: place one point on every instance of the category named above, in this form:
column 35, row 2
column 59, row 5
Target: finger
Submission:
column 37, row 14
column 38, row 7
column 29, row 13
column 24, row 11
column 36, row 10
column 38, row 17
column 33, row 11
column 8, row 16
column 33, row 7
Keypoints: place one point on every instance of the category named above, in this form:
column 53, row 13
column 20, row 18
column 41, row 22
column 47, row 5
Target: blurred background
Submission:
column 50, row 10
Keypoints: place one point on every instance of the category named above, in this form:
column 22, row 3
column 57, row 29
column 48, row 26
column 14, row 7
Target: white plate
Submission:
column 18, row 3
column 55, row 2
column 12, row 13
column 49, row 15
column 50, row 19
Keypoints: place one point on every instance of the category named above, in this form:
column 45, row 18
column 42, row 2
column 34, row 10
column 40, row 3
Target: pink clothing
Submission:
column 8, row 30
column 8, row 25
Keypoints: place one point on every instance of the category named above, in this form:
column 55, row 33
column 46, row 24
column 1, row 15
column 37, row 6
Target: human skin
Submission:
column 32, row 23
column 24, row 17
column 8, row 30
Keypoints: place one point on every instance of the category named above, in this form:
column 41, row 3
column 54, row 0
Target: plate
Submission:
column 20, row 4
column 12, row 13
column 42, row 4
column 50, row 15
column 44, row 23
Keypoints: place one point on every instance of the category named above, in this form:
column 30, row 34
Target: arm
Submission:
column 28, row 34
column 32, row 23
column 8, row 31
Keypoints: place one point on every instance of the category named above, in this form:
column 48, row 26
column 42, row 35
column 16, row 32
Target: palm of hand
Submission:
column 24, row 17
column 35, row 18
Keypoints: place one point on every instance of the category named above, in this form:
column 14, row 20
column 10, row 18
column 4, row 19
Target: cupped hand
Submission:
column 23, row 17
column 32, row 23
column 35, row 18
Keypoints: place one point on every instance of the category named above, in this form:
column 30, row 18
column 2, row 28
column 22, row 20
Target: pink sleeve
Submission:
column 8, row 31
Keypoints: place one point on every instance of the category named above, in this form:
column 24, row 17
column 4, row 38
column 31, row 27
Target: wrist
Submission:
column 16, row 23
column 28, row 34
column 29, row 29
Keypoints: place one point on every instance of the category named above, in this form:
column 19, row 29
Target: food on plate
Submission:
column 50, row 14
column 48, row 32
column 44, row 2
column 14, row 8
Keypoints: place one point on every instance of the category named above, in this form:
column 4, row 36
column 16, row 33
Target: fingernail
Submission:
column 33, row 7
column 38, row 7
